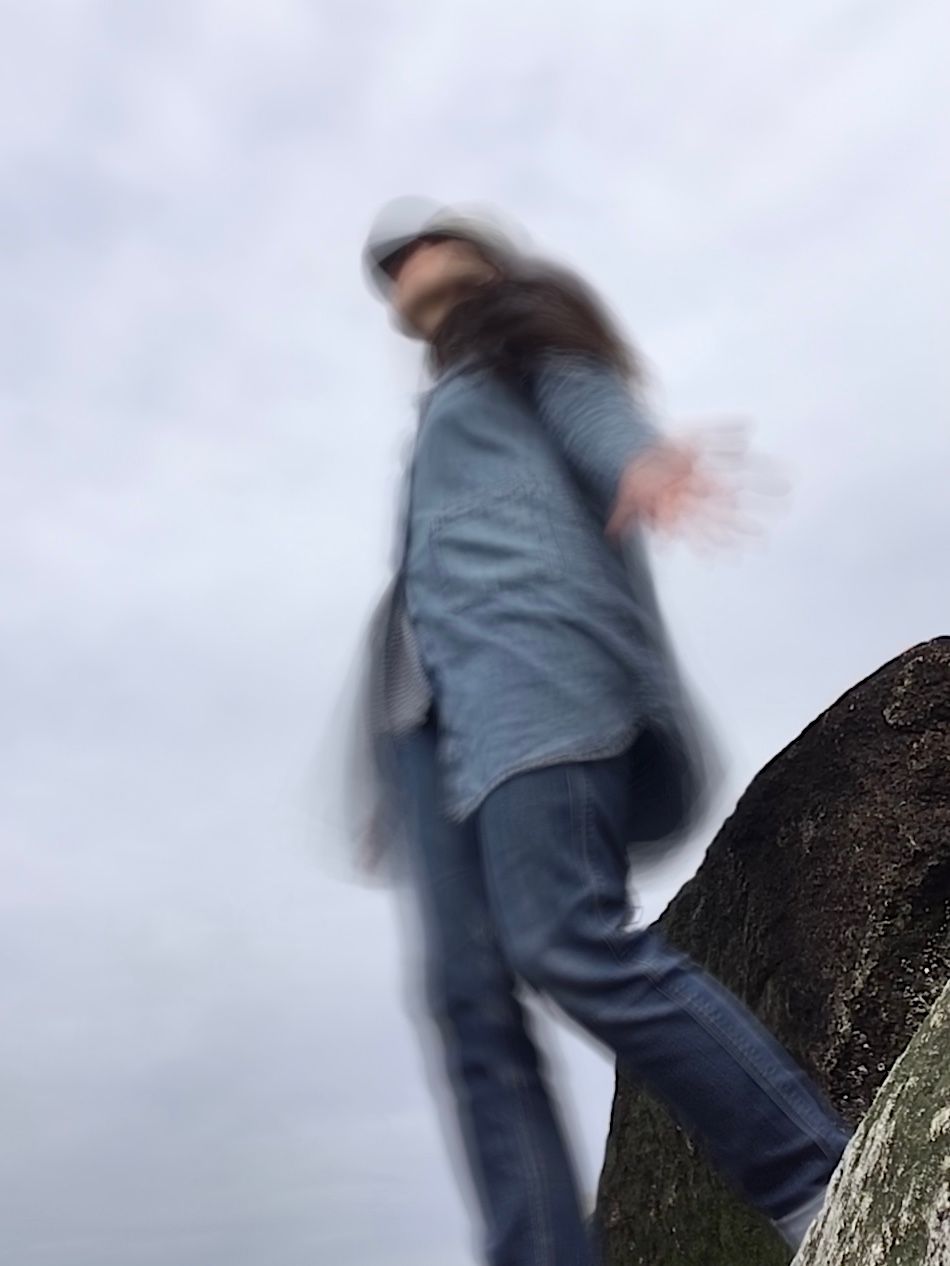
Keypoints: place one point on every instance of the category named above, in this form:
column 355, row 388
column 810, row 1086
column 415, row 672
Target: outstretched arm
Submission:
column 633, row 472
column 595, row 420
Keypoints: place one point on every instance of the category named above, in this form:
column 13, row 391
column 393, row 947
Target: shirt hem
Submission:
column 607, row 747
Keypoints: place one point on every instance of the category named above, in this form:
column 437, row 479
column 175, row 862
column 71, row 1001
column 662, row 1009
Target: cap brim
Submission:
column 375, row 257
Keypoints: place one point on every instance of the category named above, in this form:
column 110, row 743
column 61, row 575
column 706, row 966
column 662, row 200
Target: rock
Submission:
column 823, row 904
column 889, row 1201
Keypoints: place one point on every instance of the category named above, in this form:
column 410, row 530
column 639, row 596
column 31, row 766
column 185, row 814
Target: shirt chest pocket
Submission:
column 497, row 543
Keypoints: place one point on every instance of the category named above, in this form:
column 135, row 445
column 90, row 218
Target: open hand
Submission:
column 694, row 487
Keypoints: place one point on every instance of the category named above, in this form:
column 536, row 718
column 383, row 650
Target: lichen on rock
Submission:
column 889, row 1201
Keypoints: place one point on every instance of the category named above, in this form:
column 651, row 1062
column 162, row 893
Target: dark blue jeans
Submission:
column 534, row 886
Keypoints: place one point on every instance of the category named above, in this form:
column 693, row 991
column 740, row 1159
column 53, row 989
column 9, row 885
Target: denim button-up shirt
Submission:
column 538, row 639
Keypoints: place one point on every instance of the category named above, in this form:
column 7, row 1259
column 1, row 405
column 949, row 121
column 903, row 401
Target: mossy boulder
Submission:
column 824, row 903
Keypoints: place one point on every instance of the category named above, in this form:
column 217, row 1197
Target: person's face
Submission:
column 431, row 275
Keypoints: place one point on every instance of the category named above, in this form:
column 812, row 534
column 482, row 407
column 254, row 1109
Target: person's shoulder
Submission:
column 466, row 367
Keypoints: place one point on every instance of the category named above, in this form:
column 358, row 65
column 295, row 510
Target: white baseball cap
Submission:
column 402, row 220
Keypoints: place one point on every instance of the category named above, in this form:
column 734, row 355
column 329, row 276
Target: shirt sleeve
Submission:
column 594, row 418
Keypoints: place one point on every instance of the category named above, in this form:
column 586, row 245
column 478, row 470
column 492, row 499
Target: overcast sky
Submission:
column 205, row 1053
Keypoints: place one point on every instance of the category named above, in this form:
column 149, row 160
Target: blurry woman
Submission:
column 529, row 725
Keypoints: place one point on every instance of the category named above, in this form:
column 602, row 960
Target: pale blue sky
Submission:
column 206, row 1057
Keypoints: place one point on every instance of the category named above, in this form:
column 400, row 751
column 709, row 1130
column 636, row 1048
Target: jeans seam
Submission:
column 540, row 1229
column 743, row 1057
column 592, row 871
column 540, row 1237
column 583, row 823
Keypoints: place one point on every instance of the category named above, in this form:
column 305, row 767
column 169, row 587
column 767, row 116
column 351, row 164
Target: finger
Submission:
column 723, row 513
column 725, row 440
column 717, row 522
column 729, row 530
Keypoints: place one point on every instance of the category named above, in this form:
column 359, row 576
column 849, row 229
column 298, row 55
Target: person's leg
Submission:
column 514, row 1146
column 554, row 847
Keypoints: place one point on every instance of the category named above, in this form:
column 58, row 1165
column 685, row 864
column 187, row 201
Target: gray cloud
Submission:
column 207, row 1056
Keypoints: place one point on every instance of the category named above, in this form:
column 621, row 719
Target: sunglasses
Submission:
column 392, row 263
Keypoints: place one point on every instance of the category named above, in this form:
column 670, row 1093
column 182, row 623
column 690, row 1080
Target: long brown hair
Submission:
column 528, row 308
